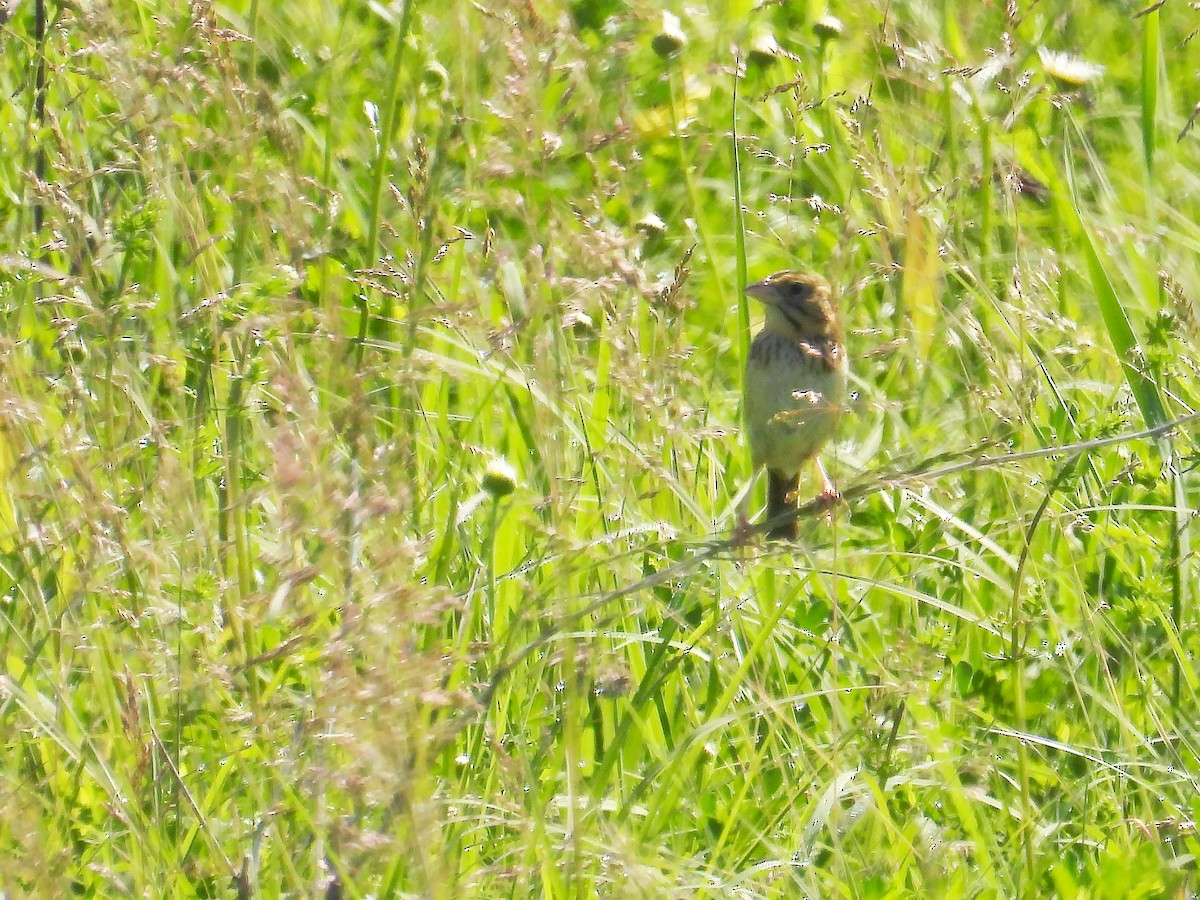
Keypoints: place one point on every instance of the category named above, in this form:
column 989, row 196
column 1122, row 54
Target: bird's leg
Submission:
column 743, row 530
column 829, row 490
column 829, row 495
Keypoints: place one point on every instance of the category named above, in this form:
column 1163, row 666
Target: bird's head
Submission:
column 799, row 302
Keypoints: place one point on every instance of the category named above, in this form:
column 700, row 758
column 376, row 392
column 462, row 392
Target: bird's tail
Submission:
column 781, row 499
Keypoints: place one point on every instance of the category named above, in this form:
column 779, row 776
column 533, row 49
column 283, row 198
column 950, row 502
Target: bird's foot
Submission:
column 827, row 502
column 743, row 532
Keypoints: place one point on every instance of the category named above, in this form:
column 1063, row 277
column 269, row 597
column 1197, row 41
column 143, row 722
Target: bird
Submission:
column 796, row 377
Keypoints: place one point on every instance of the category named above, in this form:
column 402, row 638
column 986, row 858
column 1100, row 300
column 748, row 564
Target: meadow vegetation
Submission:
column 370, row 383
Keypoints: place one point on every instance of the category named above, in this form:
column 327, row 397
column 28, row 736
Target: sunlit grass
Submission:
column 318, row 283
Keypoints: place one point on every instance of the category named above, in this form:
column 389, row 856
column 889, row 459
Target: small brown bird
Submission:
column 795, row 386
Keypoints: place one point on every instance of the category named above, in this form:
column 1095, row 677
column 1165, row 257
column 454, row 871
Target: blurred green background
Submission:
column 370, row 382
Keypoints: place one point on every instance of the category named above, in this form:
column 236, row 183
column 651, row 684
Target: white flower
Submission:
column 828, row 28
column 1069, row 71
column 499, row 478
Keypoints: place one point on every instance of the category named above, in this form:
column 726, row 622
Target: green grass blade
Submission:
column 1120, row 332
column 1151, row 47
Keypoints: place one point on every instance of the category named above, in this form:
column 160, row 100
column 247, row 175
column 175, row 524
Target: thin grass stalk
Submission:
column 379, row 178
column 739, row 230
column 1017, row 640
column 39, row 107
column 711, row 253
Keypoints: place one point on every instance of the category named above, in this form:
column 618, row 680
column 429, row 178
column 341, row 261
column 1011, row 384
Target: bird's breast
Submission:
column 795, row 391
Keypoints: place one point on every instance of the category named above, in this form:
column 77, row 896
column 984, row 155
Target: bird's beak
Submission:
column 761, row 290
